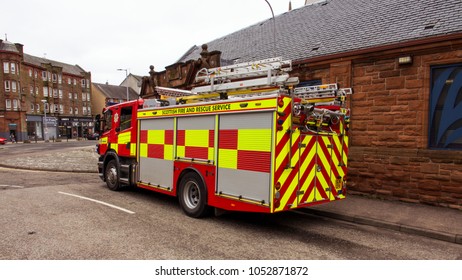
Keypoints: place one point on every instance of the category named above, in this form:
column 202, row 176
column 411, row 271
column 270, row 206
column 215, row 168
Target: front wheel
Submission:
column 193, row 196
column 112, row 175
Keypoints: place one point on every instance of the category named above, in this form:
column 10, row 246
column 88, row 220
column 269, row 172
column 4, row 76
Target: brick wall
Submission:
column 389, row 155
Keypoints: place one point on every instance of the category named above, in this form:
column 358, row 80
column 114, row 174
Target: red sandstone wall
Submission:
column 389, row 155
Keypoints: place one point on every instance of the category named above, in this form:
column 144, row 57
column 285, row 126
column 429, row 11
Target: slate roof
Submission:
column 336, row 26
column 116, row 92
column 67, row 68
column 7, row 46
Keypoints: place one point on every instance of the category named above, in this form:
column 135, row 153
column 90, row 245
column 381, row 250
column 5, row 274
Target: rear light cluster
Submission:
column 277, row 195
column 281, row 116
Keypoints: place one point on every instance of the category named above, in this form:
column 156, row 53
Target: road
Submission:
column 57, row 215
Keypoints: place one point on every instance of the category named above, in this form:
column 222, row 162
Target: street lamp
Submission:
column 274, row 28
column 126, row 75
column 45, row 130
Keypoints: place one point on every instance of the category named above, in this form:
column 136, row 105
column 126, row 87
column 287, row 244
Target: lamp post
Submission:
column 126, row 75
column 45, row 128
column 274, row 28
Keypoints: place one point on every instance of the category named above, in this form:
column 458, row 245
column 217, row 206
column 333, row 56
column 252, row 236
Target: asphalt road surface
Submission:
column 56, row 215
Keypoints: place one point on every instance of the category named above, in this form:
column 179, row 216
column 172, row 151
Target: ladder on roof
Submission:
column 260, row 73
column 322, row 94
column 173, row 92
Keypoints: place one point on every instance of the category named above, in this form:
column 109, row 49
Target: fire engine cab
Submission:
column 248, row 140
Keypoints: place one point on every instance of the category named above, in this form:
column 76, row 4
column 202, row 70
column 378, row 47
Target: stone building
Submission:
column 403, row 60
column 31, row 85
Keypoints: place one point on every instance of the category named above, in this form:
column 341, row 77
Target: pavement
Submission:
column 418, row 219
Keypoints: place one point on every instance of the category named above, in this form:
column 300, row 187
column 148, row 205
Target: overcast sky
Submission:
column 104, row 35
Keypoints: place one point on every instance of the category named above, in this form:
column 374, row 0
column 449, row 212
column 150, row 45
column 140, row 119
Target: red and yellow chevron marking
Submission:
column 245, row 149
column 309, row 168
column 156, row 144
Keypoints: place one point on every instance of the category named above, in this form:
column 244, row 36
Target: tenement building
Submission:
column 403, row 60
column 41, row 98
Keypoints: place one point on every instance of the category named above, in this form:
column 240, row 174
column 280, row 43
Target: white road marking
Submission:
column 100, row 202
column 11, row 186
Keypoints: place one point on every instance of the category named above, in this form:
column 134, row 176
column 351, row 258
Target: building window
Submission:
column 84, row 110
column 76, row 111
column 71, row 111
column 88, row 97
column 44, row 75
column 32, row 108
column 13, row 68
column 445, row 119
column 15, row 104
column 35, row 74
column 45, row 91
column 75, row 82
column 30, row 73
column 31, row 90
column 60, row 93
column 55, row 93
column 83, row 83
column 7, row 86
column 76, row 96
column 70, row 96
column 84, row 96
column 6, row 67
column 60, row 79
column 61, row 108
column 13, row 86
column 36, row 91
column 37, row 106
column 54, row 77
column 8, row 104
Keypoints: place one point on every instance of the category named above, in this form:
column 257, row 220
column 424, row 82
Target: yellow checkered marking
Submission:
column 254, row 140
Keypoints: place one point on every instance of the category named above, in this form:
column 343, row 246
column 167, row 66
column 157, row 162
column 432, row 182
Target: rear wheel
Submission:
column 112, row 175
column 193, row 196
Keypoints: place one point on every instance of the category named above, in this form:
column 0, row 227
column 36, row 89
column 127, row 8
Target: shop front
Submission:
column 75, row 127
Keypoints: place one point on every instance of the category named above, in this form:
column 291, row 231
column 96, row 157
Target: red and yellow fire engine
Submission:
column 258, row 144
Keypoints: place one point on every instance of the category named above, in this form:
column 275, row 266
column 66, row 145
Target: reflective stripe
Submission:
column 245, row 149
column 254, row 140
column 196, row 143
column 153, row 144
column 309, row 167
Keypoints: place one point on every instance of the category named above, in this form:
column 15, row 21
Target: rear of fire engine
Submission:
column 258, row 144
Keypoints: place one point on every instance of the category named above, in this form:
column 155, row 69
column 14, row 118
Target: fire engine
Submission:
column 248, row 139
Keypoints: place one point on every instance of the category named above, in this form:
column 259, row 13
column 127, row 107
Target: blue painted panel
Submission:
column 446, row 107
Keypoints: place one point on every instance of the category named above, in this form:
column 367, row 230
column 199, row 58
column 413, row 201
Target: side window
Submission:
column 125, row 118
column 107, row 121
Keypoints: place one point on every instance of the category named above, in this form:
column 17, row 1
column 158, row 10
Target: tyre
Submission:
column 193, row 196
column 112, row 175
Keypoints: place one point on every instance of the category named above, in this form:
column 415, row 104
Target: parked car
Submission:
column 2, row 141
column 93, row 136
